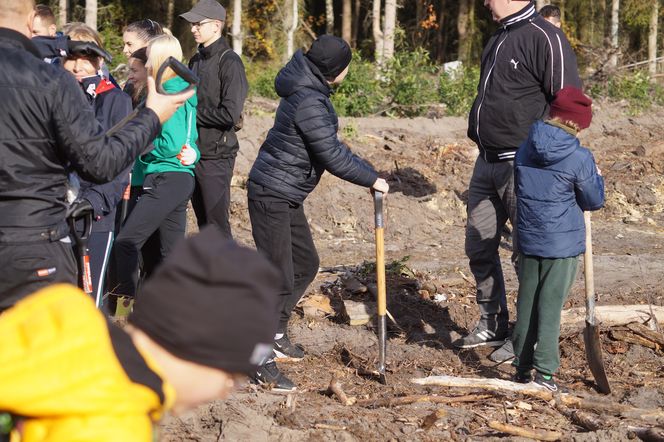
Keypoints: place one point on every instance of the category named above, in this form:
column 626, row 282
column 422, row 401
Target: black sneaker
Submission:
column 504, row 353
column 285, row 349
column 549, row 383
column 481, row 336
column 269, row 374
column 522, row 377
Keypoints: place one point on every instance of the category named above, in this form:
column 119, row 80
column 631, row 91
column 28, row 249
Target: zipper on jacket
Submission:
column 486, row 81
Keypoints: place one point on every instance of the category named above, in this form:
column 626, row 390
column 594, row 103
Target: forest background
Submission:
column 411, row 57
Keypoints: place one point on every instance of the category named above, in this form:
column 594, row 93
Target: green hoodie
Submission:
column 173, row 136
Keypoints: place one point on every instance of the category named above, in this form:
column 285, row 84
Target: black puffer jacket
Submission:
column 303, row 142
column 46, row 124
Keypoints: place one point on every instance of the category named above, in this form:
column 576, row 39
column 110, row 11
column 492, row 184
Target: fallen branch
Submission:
column 631, row 338
column 643, row 331
column 525, row 432
column 601, row 405
column 406, row 400
column 611, row 315
column 335, row 389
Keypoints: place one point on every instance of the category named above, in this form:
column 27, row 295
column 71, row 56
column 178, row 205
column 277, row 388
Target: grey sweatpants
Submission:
column 491, row 202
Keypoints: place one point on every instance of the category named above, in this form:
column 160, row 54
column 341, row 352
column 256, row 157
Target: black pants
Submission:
column 162, row 207
column 27, row 267
column 281, row 233
column 99, row 249
column 212, row 195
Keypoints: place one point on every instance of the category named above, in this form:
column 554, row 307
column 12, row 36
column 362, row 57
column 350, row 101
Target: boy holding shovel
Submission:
column 301, row 146
column 556, row 180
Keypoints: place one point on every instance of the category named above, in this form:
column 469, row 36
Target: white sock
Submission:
column 279, row 336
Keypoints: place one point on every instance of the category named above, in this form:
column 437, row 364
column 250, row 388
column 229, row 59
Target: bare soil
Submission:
column 428, row 164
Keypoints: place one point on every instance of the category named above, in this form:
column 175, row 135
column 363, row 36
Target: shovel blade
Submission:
column 594, row 357
column 382, row 343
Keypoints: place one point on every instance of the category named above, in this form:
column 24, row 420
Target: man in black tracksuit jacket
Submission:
column 524, row 64
column 221, row 93
column 46, row 129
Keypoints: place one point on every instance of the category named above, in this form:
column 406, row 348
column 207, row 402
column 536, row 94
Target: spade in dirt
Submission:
column 591, row 337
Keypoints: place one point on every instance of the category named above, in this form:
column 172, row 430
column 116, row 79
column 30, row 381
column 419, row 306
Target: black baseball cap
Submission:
column 205, row 9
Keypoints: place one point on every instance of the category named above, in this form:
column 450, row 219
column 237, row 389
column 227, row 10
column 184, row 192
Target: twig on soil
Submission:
column 335, row 389
column 584, row 420
column 329, row 427
column 571, row 400
column 465, row 278
column 406, row 400
column 645, row 332
column 525, row 432
column 631, row 338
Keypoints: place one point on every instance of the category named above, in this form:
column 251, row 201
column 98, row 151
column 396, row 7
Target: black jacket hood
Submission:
column 297, row 74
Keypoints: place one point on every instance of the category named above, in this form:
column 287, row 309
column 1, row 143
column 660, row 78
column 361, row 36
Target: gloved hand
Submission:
column 80, row 208
column 187, row 156
column 87, row 48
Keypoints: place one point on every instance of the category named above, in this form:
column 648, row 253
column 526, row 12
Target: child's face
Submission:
column 341, row 76
column 82, row 67
column 199, row 384
column 138, row 74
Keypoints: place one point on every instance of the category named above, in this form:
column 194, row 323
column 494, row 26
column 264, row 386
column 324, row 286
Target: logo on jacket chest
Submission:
column 515, row 63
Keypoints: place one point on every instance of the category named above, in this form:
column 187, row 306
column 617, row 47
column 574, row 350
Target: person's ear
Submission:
column 30, row 23
column 52, row 30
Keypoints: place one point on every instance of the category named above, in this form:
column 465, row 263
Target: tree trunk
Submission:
column 346, row 20
column 615, row 17
column 377, row 32
column 91, row 13
column 389, row 29
column 652, row 38
column 462, row 29
column 236, row 31
column 329, row 16
column 441, row 32
column 170, row 13
column 290, row 36
column 356, row 22
column 62, row 12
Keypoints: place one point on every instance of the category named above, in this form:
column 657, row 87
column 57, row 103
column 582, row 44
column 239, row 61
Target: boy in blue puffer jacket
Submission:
column 556, row 179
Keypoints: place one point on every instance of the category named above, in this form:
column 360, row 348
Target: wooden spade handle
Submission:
column 380, row 253
column 589, row 274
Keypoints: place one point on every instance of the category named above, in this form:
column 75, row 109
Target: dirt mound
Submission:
column 431, row 296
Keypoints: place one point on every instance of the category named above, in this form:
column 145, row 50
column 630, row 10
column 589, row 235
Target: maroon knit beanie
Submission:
column 571, row 104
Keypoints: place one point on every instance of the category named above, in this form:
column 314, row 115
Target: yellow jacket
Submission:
column 69, row 375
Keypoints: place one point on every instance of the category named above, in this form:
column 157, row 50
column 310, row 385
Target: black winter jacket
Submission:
column 303, row 142
column 221, row 93
column 46, row 124
column 524, row 64
column 111, row 105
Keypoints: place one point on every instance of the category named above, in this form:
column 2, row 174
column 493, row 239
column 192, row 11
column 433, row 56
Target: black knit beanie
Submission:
column 330, row 54
column 212, row 302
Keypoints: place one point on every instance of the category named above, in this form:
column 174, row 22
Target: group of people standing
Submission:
column 531, row 170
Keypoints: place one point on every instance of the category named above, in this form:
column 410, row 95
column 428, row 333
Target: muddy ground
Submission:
column 428, row 164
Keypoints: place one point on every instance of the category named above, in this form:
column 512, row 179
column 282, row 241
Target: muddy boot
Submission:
column 486, row 332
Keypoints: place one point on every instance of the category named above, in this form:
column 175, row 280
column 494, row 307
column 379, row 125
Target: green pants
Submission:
column 543, row 287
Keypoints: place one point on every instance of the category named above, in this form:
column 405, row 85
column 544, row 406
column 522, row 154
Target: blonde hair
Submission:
column 566, row 123
column 159, row 49
column 81, row 32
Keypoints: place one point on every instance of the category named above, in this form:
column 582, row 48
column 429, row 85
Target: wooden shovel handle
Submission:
column 380, row 253
column 589, row 274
